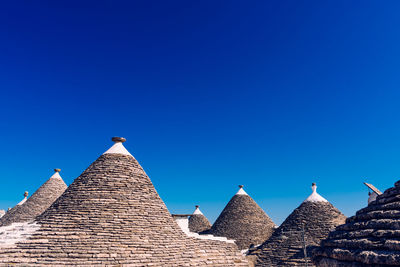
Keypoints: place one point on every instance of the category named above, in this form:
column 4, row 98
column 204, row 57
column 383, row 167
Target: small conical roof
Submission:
column 244, row 221
column 198, row 222
column 370, row 238
column 306, row 225
column 29, row 208
column 112, row 215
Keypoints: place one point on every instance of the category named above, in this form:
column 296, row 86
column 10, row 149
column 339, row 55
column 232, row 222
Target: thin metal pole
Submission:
column 304, row 245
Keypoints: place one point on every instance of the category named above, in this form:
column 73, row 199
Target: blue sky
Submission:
column 274, row 95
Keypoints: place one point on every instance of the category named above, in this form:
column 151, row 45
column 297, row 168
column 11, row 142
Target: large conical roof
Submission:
column 306, row 225
column 28, row 209
column 244, row 221
column 198, row 222
column 112, row 215
column 370, row 238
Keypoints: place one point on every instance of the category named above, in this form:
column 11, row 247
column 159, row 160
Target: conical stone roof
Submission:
column 311, row 221
column 198, row 222
column 244, row 221
column 370, row 238
column 112, row 215
column 29, row 208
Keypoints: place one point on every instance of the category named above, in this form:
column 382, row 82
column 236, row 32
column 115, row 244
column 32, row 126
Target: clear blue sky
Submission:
column 274, row 95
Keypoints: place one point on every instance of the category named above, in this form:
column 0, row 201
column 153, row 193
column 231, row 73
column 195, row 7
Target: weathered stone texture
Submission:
column 198, row 223
column 36, row 204
column 370, row 238
column 244, row 221
column 313, row 220
column 112, row 215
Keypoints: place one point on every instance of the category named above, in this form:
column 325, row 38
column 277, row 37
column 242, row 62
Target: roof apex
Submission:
column 197, row 211
column 118, row 147
column 56, row 174
column 241, row 191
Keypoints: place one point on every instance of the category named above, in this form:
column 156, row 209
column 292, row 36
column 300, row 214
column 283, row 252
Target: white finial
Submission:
column 56, row 174
column 241, row 191
column 315, row 197
column 314, row 187
column 197, row 211
column 118, row 147
column 25, row 198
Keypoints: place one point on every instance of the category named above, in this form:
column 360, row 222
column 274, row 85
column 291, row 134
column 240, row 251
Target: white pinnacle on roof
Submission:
column 56, row 174
column 241, row 191
column 315, row 197
column 22, row 201
column 118, row 147
column 197, row 211
column 25, row 198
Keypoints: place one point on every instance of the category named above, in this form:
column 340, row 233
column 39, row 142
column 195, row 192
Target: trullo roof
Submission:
column 112, row 215
column 305, row 226
column 198, row 222
column 244, row 221
column 33, row 206
column 370, row 238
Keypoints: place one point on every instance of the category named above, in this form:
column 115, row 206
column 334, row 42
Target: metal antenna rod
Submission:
column 303, row 239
